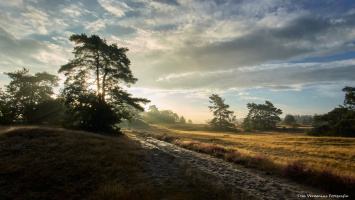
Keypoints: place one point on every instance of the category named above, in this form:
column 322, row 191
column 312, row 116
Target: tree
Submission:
column 224, row 118
column 262, row 116
column 349, row 100
column 5, row 109
column 338, row 122
column 289, row 119
column 189, row 121
column 93, row 91
column 182, row 120
column 24, row 93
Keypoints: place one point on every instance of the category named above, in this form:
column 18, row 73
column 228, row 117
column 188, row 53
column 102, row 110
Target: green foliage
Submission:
column 294, row 125
column 247, row 129
column 349, row 100
column 24, row 95
column 289, row 119
column 338, row 122
column 262, row 116
column 224, row 118
column 93, row 90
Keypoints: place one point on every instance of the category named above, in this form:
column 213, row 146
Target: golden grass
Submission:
column 325, row 177
column 282, row 147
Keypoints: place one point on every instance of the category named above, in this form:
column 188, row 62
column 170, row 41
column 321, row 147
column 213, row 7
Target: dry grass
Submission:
column 47, row 163
column 44, row 163
column 280, row 146
column 326, row 162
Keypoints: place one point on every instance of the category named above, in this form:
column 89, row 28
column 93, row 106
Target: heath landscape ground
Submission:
column 326, row 162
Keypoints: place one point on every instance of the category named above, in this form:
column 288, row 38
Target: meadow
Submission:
column 282, row 146
column 321, row 161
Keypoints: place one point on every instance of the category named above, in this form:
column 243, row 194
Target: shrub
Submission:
column 248, row 129
column 296, row 170
column 294, row 125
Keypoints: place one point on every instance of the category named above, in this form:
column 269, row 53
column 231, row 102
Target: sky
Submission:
column 296, row 54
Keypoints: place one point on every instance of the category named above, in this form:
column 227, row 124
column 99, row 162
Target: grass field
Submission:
column 322, row 162
column 283, row 146
column 48, row 163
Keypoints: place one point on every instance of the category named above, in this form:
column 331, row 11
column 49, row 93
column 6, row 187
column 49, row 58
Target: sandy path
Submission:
column 253, row 182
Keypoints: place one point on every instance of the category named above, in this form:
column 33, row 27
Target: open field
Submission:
column 48, row 163
column 281, row 146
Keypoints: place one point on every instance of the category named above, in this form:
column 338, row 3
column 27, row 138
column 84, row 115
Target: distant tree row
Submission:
column 93, row 98
column 338, row 122
column 154, row 115
column 300, row 119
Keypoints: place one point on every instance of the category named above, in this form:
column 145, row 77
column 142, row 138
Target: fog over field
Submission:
column 296, row 54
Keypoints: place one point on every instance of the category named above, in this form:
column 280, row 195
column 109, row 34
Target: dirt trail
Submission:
column 254, row 182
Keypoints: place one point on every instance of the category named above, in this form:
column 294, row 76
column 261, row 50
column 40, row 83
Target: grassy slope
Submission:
column 44, row 163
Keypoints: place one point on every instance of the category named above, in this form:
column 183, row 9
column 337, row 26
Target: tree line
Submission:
column 93, row 97
column 338, row 122
column 154, row 115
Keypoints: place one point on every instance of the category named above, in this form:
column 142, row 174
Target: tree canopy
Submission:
column 349, row 100
column 223, row 118
column 338, row 122
column 94, row 87
column 262, row 116
column 289, row 119
column 23, row 96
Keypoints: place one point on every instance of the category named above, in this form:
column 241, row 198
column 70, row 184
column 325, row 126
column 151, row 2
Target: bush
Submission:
column 294, row 125
column 248, row 129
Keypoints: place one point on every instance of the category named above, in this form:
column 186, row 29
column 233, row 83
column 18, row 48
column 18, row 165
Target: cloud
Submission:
column 36, row 18
column 195, row 44
column 96, row 26
column 272, row 76
column 117, row 8
column 17, row 53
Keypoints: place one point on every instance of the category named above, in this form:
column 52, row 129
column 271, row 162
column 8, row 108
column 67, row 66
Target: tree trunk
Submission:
column 98, row 76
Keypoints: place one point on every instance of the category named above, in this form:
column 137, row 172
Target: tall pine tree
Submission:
column 93, row 89
column 224, row 118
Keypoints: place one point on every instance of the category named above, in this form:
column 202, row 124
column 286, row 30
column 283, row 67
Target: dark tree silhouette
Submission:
column 349, row 100
column 24, row 93
column 262, row 116
column 93, row 89
column 224, row 118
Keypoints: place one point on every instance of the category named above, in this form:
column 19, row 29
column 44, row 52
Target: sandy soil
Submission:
column 253, row 182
